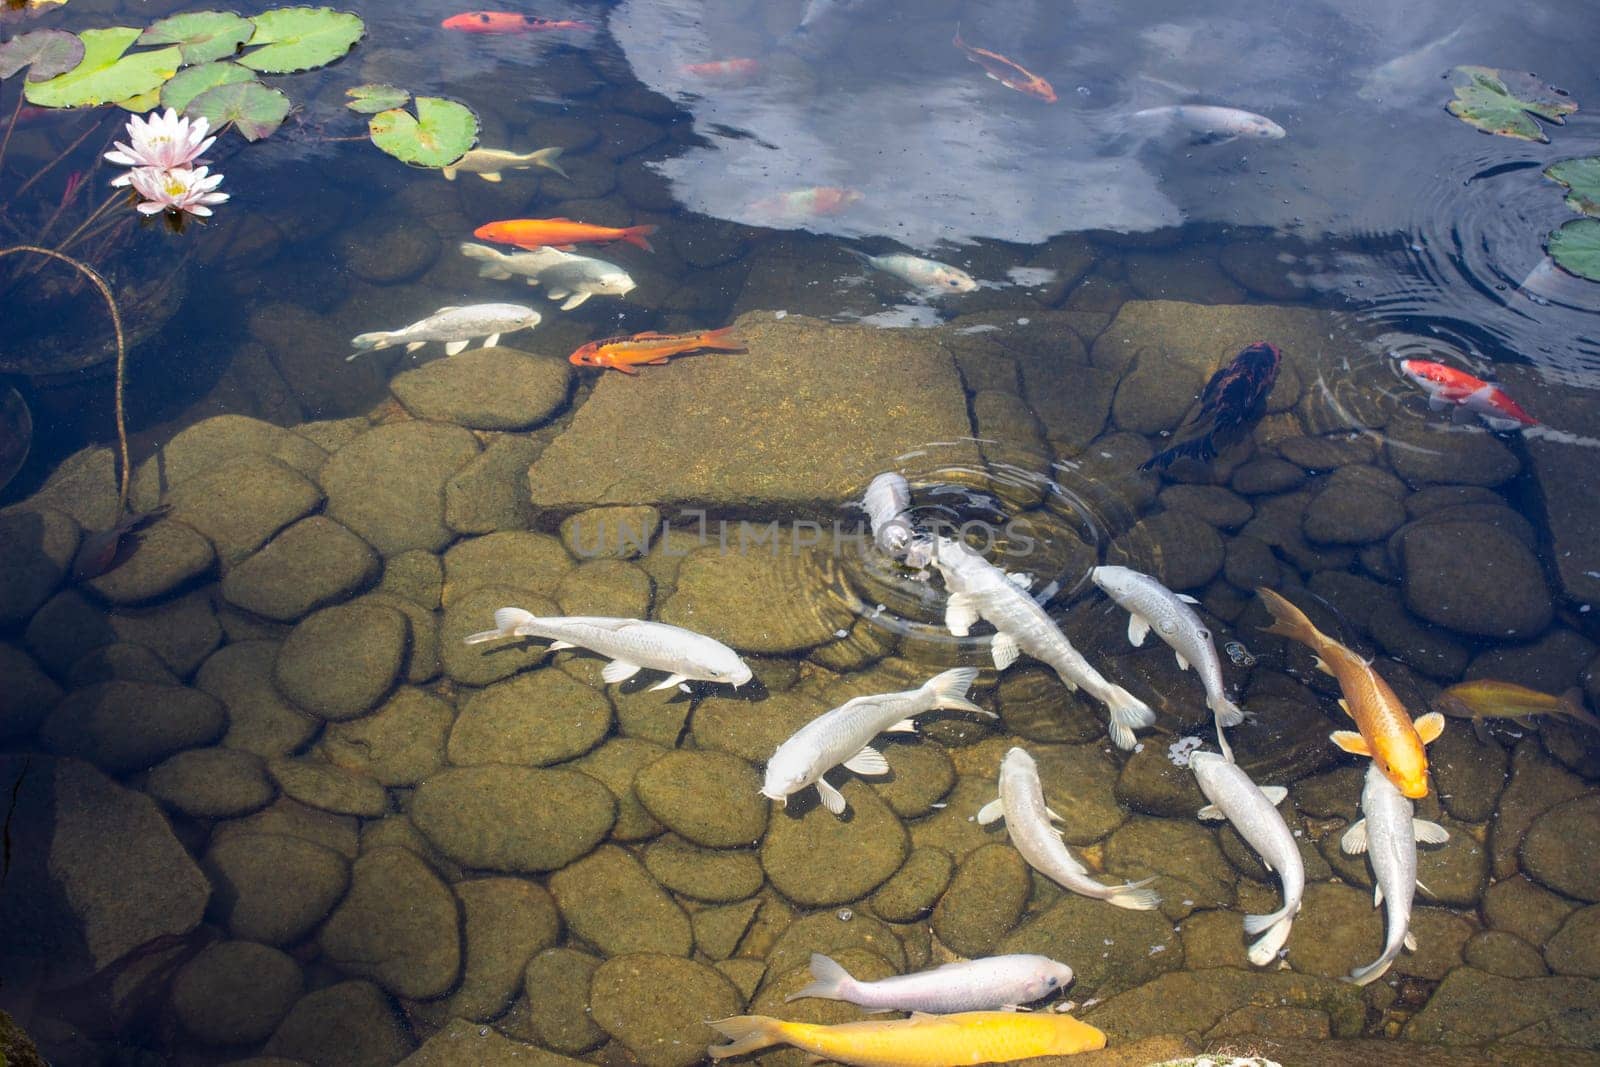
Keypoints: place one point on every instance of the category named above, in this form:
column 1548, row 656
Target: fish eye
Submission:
column 1205, row 635
column 483, row 16
column 1052, row 981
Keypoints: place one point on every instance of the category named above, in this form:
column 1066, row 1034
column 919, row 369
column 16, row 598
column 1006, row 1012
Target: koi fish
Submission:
column 567, row 277
column 487, row 163
column 1007, row 72
column 1387, row 734
column 632, row 645
column 1233, row 401
column 562, row 233
column 457, row 327
column 989, row 984
column 1213, row 125
column 926, row 274
column 723, row 69
column 1485, row 699
column 1446, row 385
column 920, row 1041
column 500, row 22
column 625, row 353
column 820, row 201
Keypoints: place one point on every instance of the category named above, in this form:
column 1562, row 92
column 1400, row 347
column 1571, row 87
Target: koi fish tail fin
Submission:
column 1201, row 448
column 1372, row 971
column 830, row 981
column 1227, row 712
column 1128, row 713
column 1276, row 928
column 721, row 339
column 950, row 691
column 546, row 158
column 1572, row 701
column 1135, row 896
column 370, row 342
column 745, row 1033
column 958, row 42
column 637, row 235
column 1289, row 621
column 506, row 624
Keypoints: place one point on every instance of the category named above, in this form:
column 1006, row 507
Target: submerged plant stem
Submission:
column 122, row 353
column 16, row 113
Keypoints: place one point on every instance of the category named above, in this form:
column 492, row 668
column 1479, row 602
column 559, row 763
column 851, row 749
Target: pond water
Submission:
column 265, row 803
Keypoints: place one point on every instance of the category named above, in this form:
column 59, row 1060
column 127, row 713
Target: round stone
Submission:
column 473, row 612
column 1474, row 578
column 872, row 840
column 30, row 693
column 36, row 549
column 611, row 533
column 760, row 599
column 1575, row 948
column 1559, row 846
column 920, row 775
column 399, row 925
column 616, row 764
column 212, row 783
column 312, row 563
column 915, row 887
column 513, row 818
column 712, row 875
column 128, row 726
column 384, row 254
column 274, row 888
column 710, row 798
column 1183, row 551
column 241, row 503
column 486, row 389
column 1353, row 510
column 533, row 563
column 235, row 992
column 984, row 901
column 506, row 921
column 609, row 587
column 354, row 1018
column 557, row 1016
column 400, row 744
column 531, row 719
column 656, row 1006
column 610, row 900
column 259, row 719
column 331, row 788
column 1499, row 952
column 388, row 484
column 338, row 663
column 168, row 555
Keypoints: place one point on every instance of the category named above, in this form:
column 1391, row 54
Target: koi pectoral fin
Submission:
column 1351, row 742
column 1429, row 727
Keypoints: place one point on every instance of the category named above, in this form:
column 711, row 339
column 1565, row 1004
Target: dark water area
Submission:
column 265, row 801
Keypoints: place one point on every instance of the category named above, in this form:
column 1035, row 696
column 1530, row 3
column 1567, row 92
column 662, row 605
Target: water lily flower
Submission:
column 164, row 142
column 182, row 189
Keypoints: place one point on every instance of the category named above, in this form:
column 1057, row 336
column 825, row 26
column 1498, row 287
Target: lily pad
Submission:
column 105, row 73
column 46, row 52
column 1582, row 179
column 300, row 38
column 192, row 81
column 440, row 133
column 1576, row 248
column 370, row 98
column 141, row 103
column 252, row 108
column 202, row 35
column 1503, row 102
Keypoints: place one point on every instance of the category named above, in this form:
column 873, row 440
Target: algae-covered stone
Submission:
column 557, row 1015
column 761, row 599
column 329, row 787
column 1111, row 949
column 416, row 576
column 401, row 743
column 289, row 817
column 1575, row 948
column 1190, row 870
column 606, row 587
column 710, row 798
column 1503, row 953
column 616, row 764
column 1560, row 845
column 1356, row 506
column 793, row 400
column 512, row 818
column 531, row 562
column 714, row 875
column 920, row 774
column 914, row 889
column 314, row 562
column 259, row 719
column 984, row 900
column 1174, row 546
column 121, row 661
column 36, row 549
column 486, row 389
column 182, row 631
column 1195, row 1001
column 1035, row 705
column 1425, row 454
column 1151, row 783
column 388, row 484
column 239, row 504
column 489, row 661
column 611, row 533
column 488, row 494
column 378, row 252
column 235, row 992
column 399, row 925
column 1470, row 773
column 464, row 1042
column 860, row 853
column 168, row 555
column 1537, row 784
column 656, row 1006
column 30, row 693
column 718, row 930
column 610, row 900
column 1530, row 911
column 127, row 726
column 274, row 888
column 1473, row 1007
column 340, row 662
column 351, row 1024
column 506, row 921
column 196, row 450
column 532, row 719
column 1475, row 579
column 837, row 934
column 212, row 783
column 752, row 730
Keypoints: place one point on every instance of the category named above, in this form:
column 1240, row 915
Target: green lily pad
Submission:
column 299, row 38
column 252, row 108
column 1582, row 179
column 192, row 81
column 46, row 52
column 370, row 98
column 202, row 35
column 441, row 132
column 1576, row 248
column 1503, row 102
column 105, row 74
column 141, row 103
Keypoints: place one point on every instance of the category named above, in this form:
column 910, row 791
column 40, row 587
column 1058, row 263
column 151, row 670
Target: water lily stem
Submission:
column 48, row 167
column 16, row 113
column 122, row 353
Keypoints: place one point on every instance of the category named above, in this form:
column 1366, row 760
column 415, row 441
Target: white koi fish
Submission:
column 1253, row 811
column 566, row 276
column 457, row 327
column 843, row 736
column 1388, row 833
column 927, row 274
column 887, row 503
column 1028, row 823
column 989, row 984
column 1152, row 606
column 487, row 163
column 631, row 644
column 979, row 589
column 1212, row 125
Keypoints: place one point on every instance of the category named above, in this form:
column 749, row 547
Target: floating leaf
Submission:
column 141, row 103
column 192, row 81
column 105, row 73
column 370, row 98
column 440, row 134
column 47, row 52
column 299, row 38
column 202, row 35
column 1582, row 179
column 1503, row 102
column 254, row 109
column 1576, row 248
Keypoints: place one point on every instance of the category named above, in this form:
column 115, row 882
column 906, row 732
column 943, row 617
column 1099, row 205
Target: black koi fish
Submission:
column 1233, row 401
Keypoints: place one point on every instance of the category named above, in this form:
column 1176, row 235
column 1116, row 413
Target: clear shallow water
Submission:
column 1391, row 228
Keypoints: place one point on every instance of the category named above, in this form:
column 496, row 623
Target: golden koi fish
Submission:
column 920, row 1041
column 1486, row 699
column 1387, row 734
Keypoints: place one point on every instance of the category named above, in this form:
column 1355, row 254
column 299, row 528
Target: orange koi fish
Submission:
column 723, row 69
column 509, row 22
column 560, row 233
column 1007, row 72
column 820, row 201
column 625, row 353
column 1387, row 733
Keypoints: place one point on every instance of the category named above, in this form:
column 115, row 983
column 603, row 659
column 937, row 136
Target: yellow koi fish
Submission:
column 1387, row 734
column 1486, row 699
column 920, row 1041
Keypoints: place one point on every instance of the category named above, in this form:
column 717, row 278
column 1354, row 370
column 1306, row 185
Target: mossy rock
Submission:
column 816, row 859
column 486, row 389
column 609, row 900
column 710, row 798
column 515, row 819
column 656, row 1006
column 340, row 662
